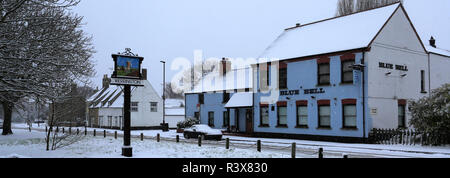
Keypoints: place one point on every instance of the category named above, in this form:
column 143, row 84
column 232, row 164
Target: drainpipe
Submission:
column 364, row 96
column 429, row 73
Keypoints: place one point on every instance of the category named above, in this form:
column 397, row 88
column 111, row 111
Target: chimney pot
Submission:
column 433, row 42
column 144, row 74
column 106, row 81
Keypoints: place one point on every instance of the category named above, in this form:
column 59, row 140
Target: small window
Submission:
column 226, row 97
column 282, row 78
column 282, row 116
column 347, row 71
column 324, row 116
column 324, row 74
column 153, row 107
column 401, row 116
column 349, row 116
column 134, row 106
column 197, row 115
column 422, row 81
column 264, row 116
column 226, row 119
column 302, row 116
column 100, row 121
column 201, row 97
column 211, row 119
column 109, row 121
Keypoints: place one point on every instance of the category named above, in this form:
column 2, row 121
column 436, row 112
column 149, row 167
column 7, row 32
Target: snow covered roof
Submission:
column 239, row 100
column 354, row 31
column 234, row 79
column 107, row 97
column 440, row 51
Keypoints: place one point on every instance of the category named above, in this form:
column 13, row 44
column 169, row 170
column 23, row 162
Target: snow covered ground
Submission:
column 25, row 144
column 31, row 144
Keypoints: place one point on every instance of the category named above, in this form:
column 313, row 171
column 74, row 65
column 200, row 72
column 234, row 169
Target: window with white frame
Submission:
column 153, row 107
column 325, row 116
column 347, row 71
column 100, row 120
column 264, row 116
column 134, row 106
column 282, row 116
column 349, row 116
column 302, row 116
column 109, row 121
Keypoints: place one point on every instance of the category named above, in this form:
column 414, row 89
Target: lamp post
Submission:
column 164, row 125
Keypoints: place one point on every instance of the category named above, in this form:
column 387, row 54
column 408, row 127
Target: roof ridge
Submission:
column 332, row 18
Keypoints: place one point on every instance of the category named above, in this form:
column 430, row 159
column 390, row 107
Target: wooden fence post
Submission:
column 115, row 134
column 85, row 131
column 45, row 128
column 63, row 129
column 157, row 137
column 94, row 132
column 320, row 153
column 227, row 143
column 294, row 146
column 142, row 136
column 104, row 133
column 178, row 138
column 78, row 131
column 200, row 140
column 70, row 130
column 258, row 145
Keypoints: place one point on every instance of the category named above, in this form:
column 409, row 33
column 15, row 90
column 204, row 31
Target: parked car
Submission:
column 206, row 132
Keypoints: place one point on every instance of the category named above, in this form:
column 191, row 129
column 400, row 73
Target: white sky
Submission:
column 167, row 29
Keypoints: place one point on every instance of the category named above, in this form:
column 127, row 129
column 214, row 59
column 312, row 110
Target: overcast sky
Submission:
column 167, row 29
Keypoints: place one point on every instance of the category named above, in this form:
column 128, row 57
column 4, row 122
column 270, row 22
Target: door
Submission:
column 249, row 121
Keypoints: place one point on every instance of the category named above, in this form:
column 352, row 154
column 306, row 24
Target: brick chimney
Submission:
column 224, row 67
column 144, row 74
column 106, row 81
column 433, row 42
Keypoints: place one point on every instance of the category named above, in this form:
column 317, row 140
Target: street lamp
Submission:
column 165, row 126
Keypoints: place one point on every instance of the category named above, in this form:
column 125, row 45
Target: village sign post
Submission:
column 127, row 73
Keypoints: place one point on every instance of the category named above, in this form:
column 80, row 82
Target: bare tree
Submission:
column 345, row 7
column 193, row 75
column 42, row 49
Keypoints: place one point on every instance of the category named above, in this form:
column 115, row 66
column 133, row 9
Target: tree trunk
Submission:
column 7, row 115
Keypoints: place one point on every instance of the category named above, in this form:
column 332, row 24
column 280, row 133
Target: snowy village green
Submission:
column 243, row 92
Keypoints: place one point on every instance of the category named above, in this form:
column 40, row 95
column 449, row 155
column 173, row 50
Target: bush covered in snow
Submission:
column 432, row 114
column 189, row 122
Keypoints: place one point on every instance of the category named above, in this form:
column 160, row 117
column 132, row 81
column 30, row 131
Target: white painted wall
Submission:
column 439, row 70
column 144, row 96
column 397, row 44
column 114, row 112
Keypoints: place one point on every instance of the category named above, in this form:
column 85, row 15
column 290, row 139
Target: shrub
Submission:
column 432, row 114
column 189, row 122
